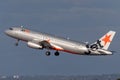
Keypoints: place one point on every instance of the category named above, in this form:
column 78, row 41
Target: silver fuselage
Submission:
column 67, row 45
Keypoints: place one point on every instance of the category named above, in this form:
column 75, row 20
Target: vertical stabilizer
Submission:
column 107, row 39
column 104, row 42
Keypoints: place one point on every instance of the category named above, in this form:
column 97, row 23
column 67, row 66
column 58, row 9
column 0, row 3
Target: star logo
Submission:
column 106, row 39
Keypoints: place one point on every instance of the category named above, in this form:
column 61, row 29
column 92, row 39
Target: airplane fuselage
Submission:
column 65, row 44
column 39, row 40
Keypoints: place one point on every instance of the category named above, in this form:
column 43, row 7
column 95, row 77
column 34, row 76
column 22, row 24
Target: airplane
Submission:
column 38, row 40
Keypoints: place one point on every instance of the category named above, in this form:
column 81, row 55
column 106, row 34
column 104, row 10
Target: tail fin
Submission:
column 104, row 42
column 107, row 39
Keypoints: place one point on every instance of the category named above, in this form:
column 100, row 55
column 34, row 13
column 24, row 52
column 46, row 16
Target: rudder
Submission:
column 103, row 42
column 107, row 39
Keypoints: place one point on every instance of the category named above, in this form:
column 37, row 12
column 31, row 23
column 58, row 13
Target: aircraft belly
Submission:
column 72, row 48
column 75, row 50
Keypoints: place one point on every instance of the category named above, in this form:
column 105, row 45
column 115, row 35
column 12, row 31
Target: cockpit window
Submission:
column 11, row 28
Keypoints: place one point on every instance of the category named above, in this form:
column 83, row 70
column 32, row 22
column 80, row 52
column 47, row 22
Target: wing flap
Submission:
column 56, row 47
column 46, row 44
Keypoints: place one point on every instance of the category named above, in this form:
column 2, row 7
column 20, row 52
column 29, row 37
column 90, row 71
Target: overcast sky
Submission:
column 81, row 20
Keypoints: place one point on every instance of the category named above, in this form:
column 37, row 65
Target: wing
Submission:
column 49, row 45
column 36, row 44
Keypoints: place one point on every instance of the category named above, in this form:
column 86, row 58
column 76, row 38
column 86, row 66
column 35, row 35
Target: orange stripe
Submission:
column 58, row 49
column 27, row 31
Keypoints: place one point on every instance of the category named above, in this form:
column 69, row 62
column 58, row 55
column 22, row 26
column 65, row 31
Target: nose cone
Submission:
column 7, row 32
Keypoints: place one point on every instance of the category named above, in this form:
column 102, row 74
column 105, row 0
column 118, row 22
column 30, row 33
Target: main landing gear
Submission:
column 48, row 53
column 56, row 53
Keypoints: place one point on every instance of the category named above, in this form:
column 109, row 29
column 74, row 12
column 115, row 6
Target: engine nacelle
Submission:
column 34, row 45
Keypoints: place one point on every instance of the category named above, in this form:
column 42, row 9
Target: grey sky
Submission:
column 82, row 20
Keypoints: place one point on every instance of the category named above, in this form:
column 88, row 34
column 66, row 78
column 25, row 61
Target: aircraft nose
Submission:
column 7, row 32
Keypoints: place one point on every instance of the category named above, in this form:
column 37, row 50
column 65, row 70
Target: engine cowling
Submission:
column 34, row 45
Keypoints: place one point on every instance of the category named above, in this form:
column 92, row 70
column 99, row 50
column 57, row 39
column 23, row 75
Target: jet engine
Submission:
column 34, row 45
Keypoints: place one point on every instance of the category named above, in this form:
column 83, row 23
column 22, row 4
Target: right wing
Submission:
column 36, row 44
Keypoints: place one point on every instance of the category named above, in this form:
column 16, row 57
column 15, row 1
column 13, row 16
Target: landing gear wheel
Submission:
column 56, row 53
column 48, row 53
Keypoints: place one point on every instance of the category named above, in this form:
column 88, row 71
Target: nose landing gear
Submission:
column 16, row 44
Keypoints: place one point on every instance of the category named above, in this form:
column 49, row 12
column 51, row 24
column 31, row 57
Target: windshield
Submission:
column 11, row 28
